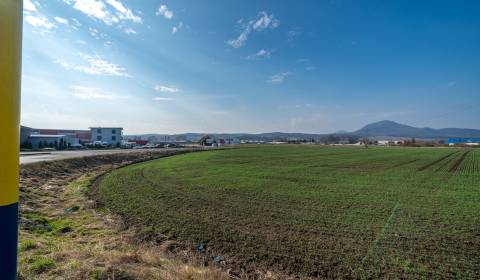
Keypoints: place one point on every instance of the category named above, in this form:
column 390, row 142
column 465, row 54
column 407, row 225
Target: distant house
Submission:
column 107, row 135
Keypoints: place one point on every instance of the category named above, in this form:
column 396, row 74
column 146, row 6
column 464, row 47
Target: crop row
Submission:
column 471, row 164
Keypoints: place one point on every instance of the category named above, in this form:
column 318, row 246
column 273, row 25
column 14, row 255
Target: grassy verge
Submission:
column 64, row 236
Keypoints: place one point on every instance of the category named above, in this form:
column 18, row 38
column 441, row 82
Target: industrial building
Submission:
column 464, row 141
column 39, row 141
column 33, row 138
column 112, row 136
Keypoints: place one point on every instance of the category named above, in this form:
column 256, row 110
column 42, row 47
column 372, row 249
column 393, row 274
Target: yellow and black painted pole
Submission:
column 10, row 72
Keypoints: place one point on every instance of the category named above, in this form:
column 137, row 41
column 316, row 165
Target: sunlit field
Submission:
column 313, row 211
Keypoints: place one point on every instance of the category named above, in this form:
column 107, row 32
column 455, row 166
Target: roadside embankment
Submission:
column 63, row 235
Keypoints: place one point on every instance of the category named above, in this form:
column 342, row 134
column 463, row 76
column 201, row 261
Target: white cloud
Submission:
column 451, row 83
column 175, row 29
column 130, row 31
column 292, row 34
column 310, row 68
column 265, row 21
column 167, row 89
column 123, row 12
column 97, row 9
column 165, row 12
column 279, row 78
column 39, row 21
column 29, row 6
column 259, row 55
column 62, row 20
column 162, row 98
column 261, row 22
column 77, row 23
column 239, row 41
column 95, row 65
column 97, row 34
column 89, row 93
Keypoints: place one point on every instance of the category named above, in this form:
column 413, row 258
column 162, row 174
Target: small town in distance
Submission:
column 383, row 133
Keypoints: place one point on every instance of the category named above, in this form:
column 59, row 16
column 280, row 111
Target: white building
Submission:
column 107, row 135
column 39, row 141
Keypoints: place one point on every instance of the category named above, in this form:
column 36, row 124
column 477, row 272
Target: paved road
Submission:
column 55, row 155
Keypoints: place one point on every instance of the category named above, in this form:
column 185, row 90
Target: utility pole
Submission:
column 10, row 73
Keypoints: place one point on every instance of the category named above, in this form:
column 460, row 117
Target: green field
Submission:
column 327, row 212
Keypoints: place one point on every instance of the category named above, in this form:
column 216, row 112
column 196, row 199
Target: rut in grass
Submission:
column 425, row 167
column 457, row 164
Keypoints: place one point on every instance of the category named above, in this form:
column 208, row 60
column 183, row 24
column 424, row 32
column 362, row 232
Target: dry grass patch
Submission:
column 63, row 235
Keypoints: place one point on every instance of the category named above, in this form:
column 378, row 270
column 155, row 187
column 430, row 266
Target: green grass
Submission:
column 314, row 211
column 41, row 264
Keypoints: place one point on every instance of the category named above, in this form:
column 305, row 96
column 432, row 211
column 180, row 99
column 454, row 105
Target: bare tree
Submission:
column 366, row 142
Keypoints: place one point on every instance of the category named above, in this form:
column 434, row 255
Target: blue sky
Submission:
column 250, row 66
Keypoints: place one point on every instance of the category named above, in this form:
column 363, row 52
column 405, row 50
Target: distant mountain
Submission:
column 382, row 129
column 393, row 129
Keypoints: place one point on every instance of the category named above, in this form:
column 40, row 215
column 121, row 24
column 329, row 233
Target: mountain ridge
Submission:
column 394, row 129
column 385, row 128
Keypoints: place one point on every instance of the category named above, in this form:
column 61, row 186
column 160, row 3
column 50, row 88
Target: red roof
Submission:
column 83, row 135
column 141, row 142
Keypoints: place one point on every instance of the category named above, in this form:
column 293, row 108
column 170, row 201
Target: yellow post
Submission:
column 10, row 72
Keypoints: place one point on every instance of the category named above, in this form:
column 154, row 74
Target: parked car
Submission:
column 77, row 146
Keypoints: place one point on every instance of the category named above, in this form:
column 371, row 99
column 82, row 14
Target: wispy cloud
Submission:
column 166, row 89
column 221, row 113
column 279, row 78
column 307, row 64
column 259, row 55
column 260, row 22
column 124, row 13
column 76, row 22
column 162, row 98
column 35, row 18
column 176, row 28
column 39, row 21
column 95, row 9
column 165, row 12
column 293, row 33
column 65, row 22
column 98, row 9
column 97, row 34
column 90, row 93
column 95, row 65
column 452, row 83
column 130, row 31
